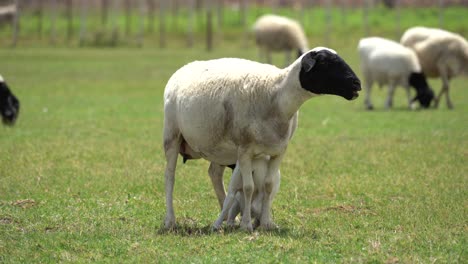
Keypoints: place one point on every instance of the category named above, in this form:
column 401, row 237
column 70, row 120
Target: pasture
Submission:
column 82, row 171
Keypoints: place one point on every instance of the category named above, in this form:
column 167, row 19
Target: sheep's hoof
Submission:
column 169, row 223
column 369, row 107
column 268, row 226
column 246, row 227
column 231, row 223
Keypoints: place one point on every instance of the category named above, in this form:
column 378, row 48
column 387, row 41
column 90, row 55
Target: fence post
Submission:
column 128, row 17
column 162, row 26
column 141, row 37
column 16, row 18
column 191, row 22
column 70, row 19
column 151, row 8
column 83, row 22
column 441, row 13
column 209, row 26
column 366, row 17
column 39, row 13
column 53, row 18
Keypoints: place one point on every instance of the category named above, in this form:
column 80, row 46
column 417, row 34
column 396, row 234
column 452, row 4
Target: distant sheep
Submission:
column 441, row 54
column 388, row 62
column 9, row 104
column 233, row 110
column 277, row 33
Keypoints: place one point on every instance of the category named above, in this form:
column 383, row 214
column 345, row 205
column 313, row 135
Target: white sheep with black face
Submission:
column 232, row 111
column 278, row 33
column 388, row 62
column 441, row 54
column 9, row 104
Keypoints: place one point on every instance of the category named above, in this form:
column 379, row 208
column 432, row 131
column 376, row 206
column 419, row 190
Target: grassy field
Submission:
column 81, row 173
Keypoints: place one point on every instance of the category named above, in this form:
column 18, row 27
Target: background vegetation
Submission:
column 81, row 173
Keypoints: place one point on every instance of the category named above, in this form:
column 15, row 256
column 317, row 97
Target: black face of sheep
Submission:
column 9, row 105
column 424, row 93
column 324, row 72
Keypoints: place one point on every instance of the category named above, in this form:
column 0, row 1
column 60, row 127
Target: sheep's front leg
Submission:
column 389, row 101
column 272, row 182
column 368, row 88
column 245, row 165
column 216, row 175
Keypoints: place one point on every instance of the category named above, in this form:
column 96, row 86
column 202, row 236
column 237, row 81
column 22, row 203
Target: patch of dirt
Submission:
column 26, row 203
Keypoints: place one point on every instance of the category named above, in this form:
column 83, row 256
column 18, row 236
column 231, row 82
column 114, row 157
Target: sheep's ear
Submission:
column 308, row 63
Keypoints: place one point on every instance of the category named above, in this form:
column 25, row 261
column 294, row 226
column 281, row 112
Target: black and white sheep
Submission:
column 232, row 110
column 388, row 62
column 9, row 104
column 441, row 54
column 278, row 33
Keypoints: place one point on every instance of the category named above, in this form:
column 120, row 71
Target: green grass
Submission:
column 81, row 173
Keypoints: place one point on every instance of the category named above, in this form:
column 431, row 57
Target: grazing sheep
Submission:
column 9, row 104
column 441, row 54
column 388, row 62
column 277, row 33
column 233, row 110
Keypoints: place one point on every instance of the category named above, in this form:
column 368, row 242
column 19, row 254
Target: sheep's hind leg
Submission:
column 216, row 175
column 245, row 166
column 389, row 101
column 171, row 148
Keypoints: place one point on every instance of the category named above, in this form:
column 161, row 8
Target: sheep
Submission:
column 9, row 104
column 441, row 54
column 234, row 201
column 233, row 110
column 388, row 62
column 277, row 33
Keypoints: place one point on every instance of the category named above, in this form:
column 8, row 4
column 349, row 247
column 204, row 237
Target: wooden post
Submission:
column 128, row 17
column 141, row 35
column 70, row 19
column 16, row 24
column 209, row 26
column 328, row 22
column 84, row 12
column 191, row 22
column 366, row 17
column 441, row 13
column 151, row 8
column 53, row 17
column 162, row 24
column 104, row 11
column 40, row 12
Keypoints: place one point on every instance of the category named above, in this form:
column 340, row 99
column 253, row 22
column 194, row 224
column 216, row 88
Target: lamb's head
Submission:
column 9, row 104
column 424, row 93
column 324, row 72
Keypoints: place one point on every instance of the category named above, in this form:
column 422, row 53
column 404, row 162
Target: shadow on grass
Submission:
column 396, row 109
column 196, row 230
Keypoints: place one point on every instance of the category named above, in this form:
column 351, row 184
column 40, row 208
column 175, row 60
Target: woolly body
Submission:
column 234, row 110
column 387, row 63
column 277, row 33
column 441, row 54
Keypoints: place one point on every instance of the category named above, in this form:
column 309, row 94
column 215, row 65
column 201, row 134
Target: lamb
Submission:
column 232, row 110
column 441, row 54
column 234, row 201
column 387, row 62
column 9, row 104
column 277, row 33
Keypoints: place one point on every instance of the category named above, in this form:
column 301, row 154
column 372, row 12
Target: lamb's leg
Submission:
column 287, row 58
column 216, row 175
column 408, row 97
column 389, row 101
column 445, row 81
column 268, row 56
column 245, row 165
column 235, row 209
column 367, row 101
column 272, row 182
column 171, row 148
column 234, row 185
